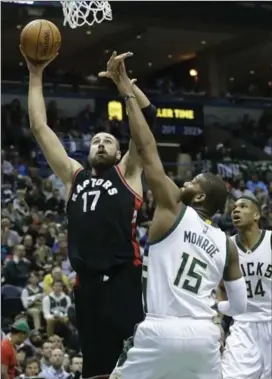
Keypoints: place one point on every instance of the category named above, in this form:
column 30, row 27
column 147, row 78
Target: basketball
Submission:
column 40, row 40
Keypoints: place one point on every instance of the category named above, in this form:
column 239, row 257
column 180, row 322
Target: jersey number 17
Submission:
column 187, row 275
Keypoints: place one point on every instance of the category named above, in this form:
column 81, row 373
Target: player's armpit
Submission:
column 55, row 154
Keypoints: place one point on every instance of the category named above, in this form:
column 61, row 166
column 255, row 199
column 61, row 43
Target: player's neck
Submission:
column 201, row 212
column 250, row 237
column 98, row 171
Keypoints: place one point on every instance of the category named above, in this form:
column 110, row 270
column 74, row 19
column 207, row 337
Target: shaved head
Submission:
column 207, row 191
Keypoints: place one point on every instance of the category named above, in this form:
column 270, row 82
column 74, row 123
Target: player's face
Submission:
column 191, row 192
column 244, row 214
column 104, row 151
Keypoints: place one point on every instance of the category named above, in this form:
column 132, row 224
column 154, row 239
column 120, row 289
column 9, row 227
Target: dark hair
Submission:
column 216, row 193
column 58, row 281
column 31, row 360
column 75, row 356
column 254, row 201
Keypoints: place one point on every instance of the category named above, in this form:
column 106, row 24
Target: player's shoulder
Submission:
column 268, row 236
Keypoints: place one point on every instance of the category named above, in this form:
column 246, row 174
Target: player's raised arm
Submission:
column 164, row 191
column 131, row 163
column 234, row 284
column 55, row 154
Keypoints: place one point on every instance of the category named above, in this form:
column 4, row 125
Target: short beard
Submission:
column 102, row 164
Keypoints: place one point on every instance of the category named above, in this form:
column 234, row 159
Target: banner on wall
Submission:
column 173, row 119
column 229, row 170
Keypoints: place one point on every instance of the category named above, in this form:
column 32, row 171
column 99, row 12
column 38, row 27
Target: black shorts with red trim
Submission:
column 107, row 308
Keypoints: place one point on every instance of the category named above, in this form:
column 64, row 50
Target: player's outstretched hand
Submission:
column 36, row 68
column 116, row 71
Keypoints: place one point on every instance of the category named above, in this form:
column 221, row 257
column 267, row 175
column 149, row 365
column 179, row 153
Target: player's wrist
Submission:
column 129, row 97
column 35, row 76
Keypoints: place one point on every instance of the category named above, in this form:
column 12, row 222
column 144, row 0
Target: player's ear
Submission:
column 199, row 198
column 257, row 216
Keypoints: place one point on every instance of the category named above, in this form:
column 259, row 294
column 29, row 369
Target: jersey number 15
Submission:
column 187, row 273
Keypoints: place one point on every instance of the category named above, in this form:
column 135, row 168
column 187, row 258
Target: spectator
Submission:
column 55, row 307
column 16, row 271
column 21, row 355
column 47, row 189
column 29, row 246
column 20, row 205
column 7, row 168
column 56, row 342
column 18, row 334
column 56, row 274
column 46, row 355
column 9, row 237
column 57, row 183
column 32, row 367
column 55, row 371
column 31, row 298
column 55, row 203
column 255, row 183
column 241, row 190
column 76, row 367
column 35, row 198
column 9, row 211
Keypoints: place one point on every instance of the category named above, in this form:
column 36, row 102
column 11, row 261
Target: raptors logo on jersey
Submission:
column 102, row 213
column 256, row 266
column 182, row 271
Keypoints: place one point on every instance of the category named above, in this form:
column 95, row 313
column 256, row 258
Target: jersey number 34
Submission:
column 187, row 275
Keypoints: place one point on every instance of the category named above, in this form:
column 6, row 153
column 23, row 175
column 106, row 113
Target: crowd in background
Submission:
column 37, row 278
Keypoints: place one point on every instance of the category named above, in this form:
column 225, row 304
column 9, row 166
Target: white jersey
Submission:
column 181, row 272
column 256, row 266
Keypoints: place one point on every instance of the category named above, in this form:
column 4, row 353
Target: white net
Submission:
column 78, row 13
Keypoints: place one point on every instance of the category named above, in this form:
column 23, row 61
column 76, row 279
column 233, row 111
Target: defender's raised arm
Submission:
column 165, row 192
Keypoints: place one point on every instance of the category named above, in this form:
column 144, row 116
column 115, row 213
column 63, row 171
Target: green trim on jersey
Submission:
column 173, row 227
column 225, row 272
column 257, row 244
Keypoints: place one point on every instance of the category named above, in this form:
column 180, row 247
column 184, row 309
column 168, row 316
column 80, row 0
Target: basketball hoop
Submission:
column 77, row 13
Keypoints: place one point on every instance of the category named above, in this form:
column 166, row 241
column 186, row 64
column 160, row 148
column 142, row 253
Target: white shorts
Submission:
column 173, row 348
column 247, row 353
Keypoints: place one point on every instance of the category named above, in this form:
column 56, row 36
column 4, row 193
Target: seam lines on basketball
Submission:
column 24, row 47
column 38, row 39
column 52, row 34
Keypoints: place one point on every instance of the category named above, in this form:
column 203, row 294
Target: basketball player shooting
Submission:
column 102, row 206
column 248, row 348
column 187, row 259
